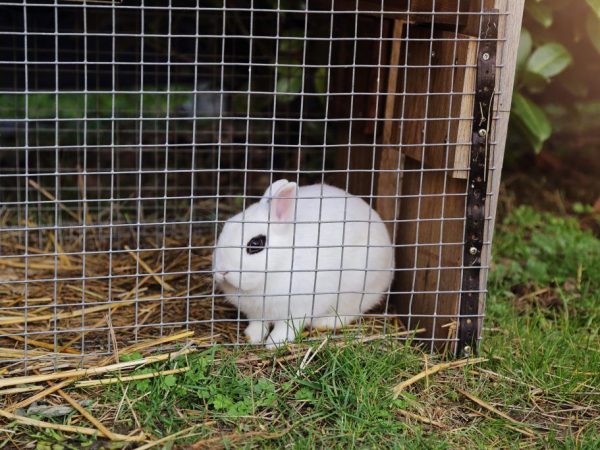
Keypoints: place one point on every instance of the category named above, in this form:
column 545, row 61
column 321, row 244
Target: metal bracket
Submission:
column 469, row 323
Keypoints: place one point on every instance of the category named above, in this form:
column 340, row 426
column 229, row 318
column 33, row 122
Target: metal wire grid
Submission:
column 124, row 182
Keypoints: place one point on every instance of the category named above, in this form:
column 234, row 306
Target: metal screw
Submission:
column 473, row 251
column 485, row 56
column 467, row 350
column 482, row 132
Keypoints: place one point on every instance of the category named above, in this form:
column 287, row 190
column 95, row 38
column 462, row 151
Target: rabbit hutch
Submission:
column 131, row 130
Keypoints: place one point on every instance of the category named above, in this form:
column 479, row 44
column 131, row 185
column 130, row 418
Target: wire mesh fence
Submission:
column 132, row 131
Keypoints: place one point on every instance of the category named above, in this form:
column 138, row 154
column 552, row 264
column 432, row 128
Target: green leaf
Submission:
column 289, row 83
column 532, row 120
column 592, row 26
column 141, row 385
column 169, row 380
column 549, row 60
column 525, row 45
column 541, row 13
column 304, row 394
column 595, row 5
column 131, row 357
column 580, row 208
column 263, row 385
column 221, row 402
column 242, row 408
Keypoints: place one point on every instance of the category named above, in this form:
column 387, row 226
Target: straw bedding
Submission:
column 82, row 302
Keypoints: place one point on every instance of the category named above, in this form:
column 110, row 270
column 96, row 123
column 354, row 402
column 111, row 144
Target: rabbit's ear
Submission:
column 272, row 190
column 283, row 204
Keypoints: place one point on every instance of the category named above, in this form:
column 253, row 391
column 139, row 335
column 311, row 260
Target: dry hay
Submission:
column 82, row 303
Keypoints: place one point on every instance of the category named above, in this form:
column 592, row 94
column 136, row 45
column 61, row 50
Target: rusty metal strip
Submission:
column 468, row 326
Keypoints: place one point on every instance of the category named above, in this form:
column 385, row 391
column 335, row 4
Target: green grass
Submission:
column 543, row 370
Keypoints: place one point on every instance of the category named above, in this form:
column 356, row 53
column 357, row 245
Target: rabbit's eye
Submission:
column 256, row 244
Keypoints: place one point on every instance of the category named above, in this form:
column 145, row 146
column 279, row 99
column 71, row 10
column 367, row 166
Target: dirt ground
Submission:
column 565, row 182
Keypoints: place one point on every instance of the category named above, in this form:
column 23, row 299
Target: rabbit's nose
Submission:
column 220, row 276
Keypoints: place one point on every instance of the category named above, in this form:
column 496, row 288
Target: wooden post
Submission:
column 509, row 33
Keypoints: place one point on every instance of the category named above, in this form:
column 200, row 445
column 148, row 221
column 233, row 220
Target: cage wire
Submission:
column 131, row 131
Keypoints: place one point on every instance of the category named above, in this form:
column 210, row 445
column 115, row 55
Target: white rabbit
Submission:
column 313, row 255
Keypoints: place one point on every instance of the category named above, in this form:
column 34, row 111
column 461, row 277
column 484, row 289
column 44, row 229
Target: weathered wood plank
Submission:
column 465, row 125
column 388, row 183
column 434, row 88
column 430, row 229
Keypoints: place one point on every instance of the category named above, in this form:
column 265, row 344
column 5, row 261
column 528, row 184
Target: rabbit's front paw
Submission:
column 256, row 331
column 283, row 332
column 279, row 336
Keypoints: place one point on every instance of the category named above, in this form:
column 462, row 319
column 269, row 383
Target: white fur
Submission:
column 264, row 295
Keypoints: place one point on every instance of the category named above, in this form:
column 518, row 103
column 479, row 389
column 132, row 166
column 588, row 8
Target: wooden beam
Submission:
column 445, row 12
column 388, row 183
